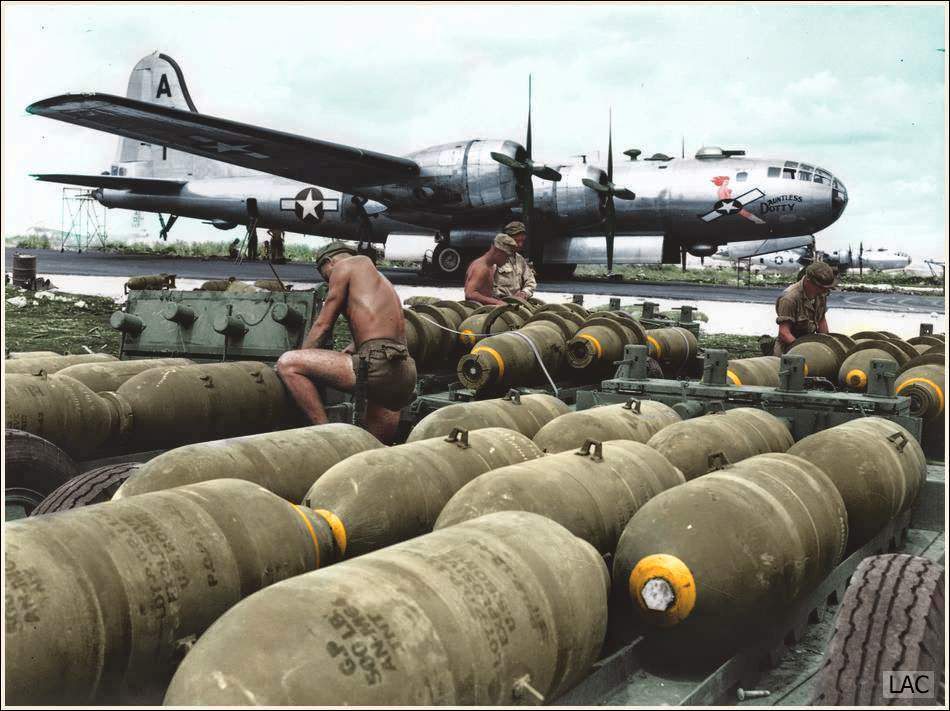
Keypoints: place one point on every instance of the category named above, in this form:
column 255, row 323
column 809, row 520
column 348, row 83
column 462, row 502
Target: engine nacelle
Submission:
column 569, row 200
column 702, row 250
column 475, row 239
column 458, row 176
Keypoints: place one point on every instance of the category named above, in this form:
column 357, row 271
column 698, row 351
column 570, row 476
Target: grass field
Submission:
column 727, row 276
column 59, row 325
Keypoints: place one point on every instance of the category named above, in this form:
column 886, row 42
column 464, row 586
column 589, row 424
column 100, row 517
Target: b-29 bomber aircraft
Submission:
column 173, row 159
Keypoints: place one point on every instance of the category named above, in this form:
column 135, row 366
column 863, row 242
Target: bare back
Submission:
column 367, row 299
column 479, row 281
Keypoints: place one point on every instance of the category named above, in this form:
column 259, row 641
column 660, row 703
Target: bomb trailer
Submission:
column 210, row 327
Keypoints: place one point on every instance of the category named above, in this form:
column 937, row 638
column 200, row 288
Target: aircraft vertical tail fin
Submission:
column 158, row 79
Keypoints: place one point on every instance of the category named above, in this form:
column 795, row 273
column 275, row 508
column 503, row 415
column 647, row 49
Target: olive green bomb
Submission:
column 509, row 608
column 702, row 444
column 592, row 492
column 696, row 578
column 522, row 413
column 286, row 462
column 635, row 420
column 380, row 497
column 103, row 601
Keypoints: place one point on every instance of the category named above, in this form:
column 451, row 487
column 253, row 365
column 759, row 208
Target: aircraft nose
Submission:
column 839, row 198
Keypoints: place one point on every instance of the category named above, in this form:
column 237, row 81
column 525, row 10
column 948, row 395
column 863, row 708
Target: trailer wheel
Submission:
column 891, row 618
column 34, row 468
column 93, row 487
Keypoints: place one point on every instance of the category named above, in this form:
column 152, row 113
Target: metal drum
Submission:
column 24, row 271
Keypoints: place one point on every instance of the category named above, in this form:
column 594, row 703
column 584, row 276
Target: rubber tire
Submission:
column 93, row 487
column 35, row 464
column 891, row 618
column 457, row 274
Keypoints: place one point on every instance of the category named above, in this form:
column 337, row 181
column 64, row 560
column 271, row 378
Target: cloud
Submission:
column 820, row 85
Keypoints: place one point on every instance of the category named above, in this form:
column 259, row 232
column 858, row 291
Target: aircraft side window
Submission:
column 819, row 178
column 121, row 171
column 788, row 173
column 807, row 168
column 741, row 176
column 774, row 172
column 791, row 164
column 802, row 175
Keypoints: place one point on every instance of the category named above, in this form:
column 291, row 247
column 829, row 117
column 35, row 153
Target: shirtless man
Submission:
column 480, row 277
column 370, row 304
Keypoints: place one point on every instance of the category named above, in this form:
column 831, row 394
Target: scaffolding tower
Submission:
column 83, row 220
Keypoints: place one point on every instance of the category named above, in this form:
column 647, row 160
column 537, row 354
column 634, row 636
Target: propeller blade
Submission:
column 508, row 160
column 528, row 139
column 546, row 173
column 611, row 225
column 610, row 147
column 594, row 185
column 625, row 194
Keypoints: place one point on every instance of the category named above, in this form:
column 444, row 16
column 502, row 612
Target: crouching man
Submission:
column 372, row 308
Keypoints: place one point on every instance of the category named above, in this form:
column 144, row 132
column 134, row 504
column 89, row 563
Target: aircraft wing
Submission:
column 287, row 155
column 154, row 186
column 757, row 248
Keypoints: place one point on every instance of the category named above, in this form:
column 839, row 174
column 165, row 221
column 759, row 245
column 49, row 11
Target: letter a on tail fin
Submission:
column 156, row 79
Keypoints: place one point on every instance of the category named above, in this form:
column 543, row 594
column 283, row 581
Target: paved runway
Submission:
column 122, row 265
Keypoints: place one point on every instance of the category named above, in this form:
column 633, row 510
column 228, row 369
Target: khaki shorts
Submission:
column 391, row 375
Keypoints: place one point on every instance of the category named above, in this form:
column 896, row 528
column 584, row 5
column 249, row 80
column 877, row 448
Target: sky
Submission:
column 858, row 89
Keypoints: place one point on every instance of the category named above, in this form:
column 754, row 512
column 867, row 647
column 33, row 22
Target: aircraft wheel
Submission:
column 447, row 261
column 891, row 618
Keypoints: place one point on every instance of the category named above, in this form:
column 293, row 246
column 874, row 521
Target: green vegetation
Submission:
column 59, row 325
column 672, row 273
column 727, row 276
column 204, row 250
column 201, row 250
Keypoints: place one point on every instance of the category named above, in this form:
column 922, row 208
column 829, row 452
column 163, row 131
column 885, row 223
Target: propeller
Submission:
column 524, row 169
column 609, row 191
column 861, row 257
